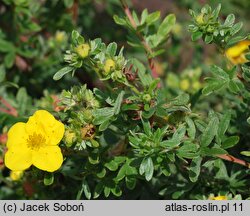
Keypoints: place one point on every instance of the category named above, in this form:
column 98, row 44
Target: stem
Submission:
column 234, row 160
column 133, row 88
column 151, row 61
column 10, row 109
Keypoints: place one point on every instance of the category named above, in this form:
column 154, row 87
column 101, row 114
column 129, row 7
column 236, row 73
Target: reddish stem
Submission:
column 10, row 109
column 147, row 48
column 234, row 160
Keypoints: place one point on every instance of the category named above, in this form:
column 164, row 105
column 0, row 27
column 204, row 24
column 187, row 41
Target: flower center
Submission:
column 35, row 141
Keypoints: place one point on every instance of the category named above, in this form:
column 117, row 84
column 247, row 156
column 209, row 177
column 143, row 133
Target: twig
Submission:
column 234, row 160
column 10, row 109
column 151, row 61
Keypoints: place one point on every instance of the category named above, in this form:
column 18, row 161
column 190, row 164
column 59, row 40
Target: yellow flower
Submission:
column 184, row 84
column 200, row 18
column 35, row 143
column 109, row 65
column 70, row 137
column 219, row 198
column 236, row 53
column 83, row 50
column 16, row 175
column 60, row 36
column 196, row 85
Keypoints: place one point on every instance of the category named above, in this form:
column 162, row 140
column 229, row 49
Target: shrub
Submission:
column 132, row 132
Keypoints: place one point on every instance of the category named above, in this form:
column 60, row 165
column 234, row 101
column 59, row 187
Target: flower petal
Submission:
column 17, row 136
column 46, row 124
column 18, row 159
column 56, row 133
column 39, row 121
column 48, row 158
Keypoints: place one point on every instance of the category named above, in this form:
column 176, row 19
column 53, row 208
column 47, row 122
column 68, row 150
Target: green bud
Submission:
column 83, row 50
column 69, row 137
column 146, row 97
column 200, row 19
column 109, row 66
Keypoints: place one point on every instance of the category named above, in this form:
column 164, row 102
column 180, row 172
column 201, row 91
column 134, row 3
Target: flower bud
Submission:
column 199, row 19
column 70, row 138
column 196, row 85
column 60, row 36
column 83, row 50
column 146, row 98
column 88, row 132
column 16, row 175
column 108, row 66
column 184, row 84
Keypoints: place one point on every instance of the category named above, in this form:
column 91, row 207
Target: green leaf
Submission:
column 230, row 142
column 48, row 179
column 223, row 125
column 210, row 132
column 102, row 115
column 165, row 27
column 233, row 86
column 147, row 168
column 84, row 188
column 6, row 46
column 9, row 59
column 102, row 173
column 2, row 73
column 218, row 72
column 130, row 182
column 122, row 172
column 208, row 39
column 216, row 12
column 59, row 74
column 181, row 99
column 98, row 190
column 111, row 49
column 221, row 169
column 107, row 191
column 180, row 133
column 236, row 28
column 104, row 125
column 213, row 151
column 22, row 100
column 147, row 128
column 188, row 150
column 111, row 165
column 68, row 3
column 119, row 21
column 196, row 35
column 74, row 36
column 213, row 84
column 246, row 153
column 118, row 102
column 195, row 168
column 144, row 16
column 153, row 17
column 116, row 191
column 176, row 139
column 191, row 128
column 229, row 20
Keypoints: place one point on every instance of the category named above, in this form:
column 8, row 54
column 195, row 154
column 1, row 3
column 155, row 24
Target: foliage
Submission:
column 131, row 131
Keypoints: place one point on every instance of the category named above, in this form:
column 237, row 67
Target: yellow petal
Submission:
column 18, row 159
column 220, row 198
column 16, row 175
column 39, row 121
column 47, row 125
column 55, row 133
column 236, row 50
column 47, row 158
column 17, row 136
